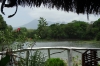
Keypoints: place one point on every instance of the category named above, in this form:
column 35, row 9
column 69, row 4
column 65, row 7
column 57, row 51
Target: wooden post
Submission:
column 70, row 58
column 49, row 53
column 27, row 57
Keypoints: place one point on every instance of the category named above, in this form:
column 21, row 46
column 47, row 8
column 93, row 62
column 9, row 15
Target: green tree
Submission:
column 70, row 31
column 57, row 31
column 97, row 23
column 3, row 24
column 3, row 31
column 76, row 29
column 98, row 36
column 42, row 28
column 62, row 29
column 54, row 31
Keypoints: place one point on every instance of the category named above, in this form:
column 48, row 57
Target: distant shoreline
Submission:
column 45, row 40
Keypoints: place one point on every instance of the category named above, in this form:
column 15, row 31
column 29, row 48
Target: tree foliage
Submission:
column 80, row 30
column 77, row 30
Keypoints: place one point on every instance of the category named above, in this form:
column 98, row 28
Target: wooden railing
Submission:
column 69, row 51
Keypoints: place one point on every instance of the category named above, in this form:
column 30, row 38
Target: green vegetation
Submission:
column 35, row 59
column 8, row 35
column 55, row 62
column 75, row 30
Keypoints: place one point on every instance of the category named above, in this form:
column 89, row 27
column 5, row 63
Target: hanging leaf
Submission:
column 5, row 60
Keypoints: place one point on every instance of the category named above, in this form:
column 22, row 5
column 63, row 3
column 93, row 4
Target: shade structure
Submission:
column 77, row 6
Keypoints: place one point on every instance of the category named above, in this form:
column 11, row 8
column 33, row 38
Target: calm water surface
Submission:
column 68, row 44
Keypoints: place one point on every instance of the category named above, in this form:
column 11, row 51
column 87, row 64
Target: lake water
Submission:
column 68, row 44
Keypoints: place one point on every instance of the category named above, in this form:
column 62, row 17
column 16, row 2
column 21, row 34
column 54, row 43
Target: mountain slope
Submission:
column 34, row 24
column 31, row 25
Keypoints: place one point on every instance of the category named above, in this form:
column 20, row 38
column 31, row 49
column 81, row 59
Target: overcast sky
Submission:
column 25, row 15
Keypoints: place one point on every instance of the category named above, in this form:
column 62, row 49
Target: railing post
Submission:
column 70, row 58
column 49, row 53
column 27, row 57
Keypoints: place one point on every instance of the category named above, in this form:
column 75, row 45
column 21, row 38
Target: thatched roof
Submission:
column 77, row 6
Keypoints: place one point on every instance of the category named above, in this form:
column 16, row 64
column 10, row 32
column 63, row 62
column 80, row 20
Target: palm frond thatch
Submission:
column 78, row 6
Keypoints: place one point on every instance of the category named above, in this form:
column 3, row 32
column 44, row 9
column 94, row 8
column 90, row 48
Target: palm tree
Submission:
column 77, row 6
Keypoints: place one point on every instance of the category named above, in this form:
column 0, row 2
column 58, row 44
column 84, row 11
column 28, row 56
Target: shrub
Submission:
column 55, row 62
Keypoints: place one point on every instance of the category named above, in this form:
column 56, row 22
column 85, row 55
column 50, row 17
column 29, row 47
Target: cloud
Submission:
column 22, row 17
column 59, row 16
